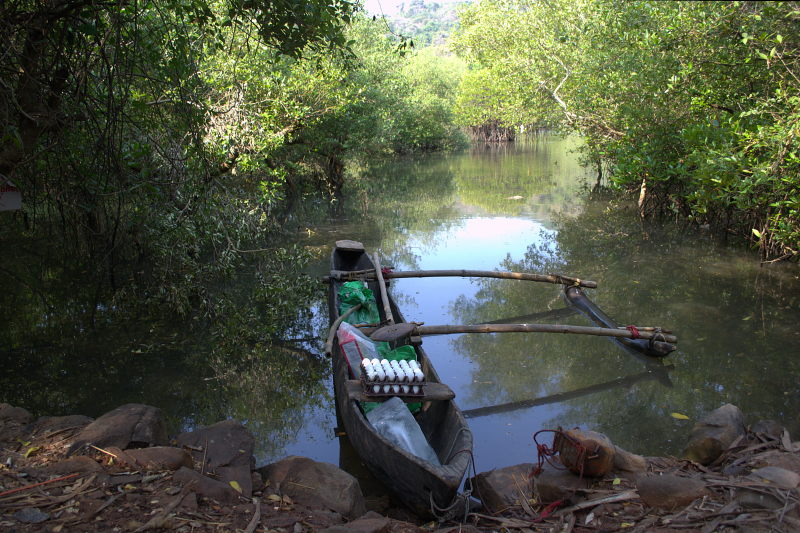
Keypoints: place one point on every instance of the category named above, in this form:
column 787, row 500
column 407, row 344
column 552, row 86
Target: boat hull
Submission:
column 421, row 486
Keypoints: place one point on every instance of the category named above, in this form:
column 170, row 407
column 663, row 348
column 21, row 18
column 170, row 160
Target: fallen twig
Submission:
column 622, row 496
column 507, row 522
column 251, row 527
column 203, row 463
column 115, row 456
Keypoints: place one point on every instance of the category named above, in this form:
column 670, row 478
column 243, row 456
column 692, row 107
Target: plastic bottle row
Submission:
column 395, row 377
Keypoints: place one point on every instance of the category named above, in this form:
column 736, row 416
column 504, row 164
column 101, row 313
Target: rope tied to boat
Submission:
column 634, row 331
column 460, row 501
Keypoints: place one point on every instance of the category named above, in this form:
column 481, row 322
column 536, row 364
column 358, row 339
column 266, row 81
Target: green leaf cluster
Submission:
column 692, row 105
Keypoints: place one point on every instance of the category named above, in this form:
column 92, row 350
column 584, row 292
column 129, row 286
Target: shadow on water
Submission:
column 67, row 348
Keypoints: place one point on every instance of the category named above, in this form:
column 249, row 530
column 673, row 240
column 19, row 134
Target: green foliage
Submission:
column 692, row 104
column 162, row 140
column 396, row 103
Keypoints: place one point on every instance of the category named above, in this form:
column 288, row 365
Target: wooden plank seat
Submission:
column 431, row 392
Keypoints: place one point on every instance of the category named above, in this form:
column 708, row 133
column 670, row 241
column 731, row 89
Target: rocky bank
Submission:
column 122, row 473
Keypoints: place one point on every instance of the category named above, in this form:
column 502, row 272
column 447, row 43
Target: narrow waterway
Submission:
column 526, row 207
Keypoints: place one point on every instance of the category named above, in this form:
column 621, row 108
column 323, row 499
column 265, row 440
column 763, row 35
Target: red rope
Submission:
column 25, row 487
column 386, row 270
column 547, row 511
column 634, row 331
column 561, row 440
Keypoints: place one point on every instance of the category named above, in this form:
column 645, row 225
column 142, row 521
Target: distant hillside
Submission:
column 424, row 22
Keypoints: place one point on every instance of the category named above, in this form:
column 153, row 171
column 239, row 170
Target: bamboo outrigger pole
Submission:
column 344, row 275
column 387, row 308
column 398, row 331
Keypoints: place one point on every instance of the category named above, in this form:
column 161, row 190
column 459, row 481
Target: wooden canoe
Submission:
column 414, row 481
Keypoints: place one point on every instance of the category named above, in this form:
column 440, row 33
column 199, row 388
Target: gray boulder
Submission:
column 369, row 523
column 205, row 486
column 502, row 488
column 714, row 434
column 669, row 491
column 315, row 484
column 553, row 484
column 132, row 425
column 12, row 422
column 45, row 426
column 9, row 413
column 227, row 449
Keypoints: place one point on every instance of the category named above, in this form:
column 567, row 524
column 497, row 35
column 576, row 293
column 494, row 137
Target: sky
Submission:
column 391, row 7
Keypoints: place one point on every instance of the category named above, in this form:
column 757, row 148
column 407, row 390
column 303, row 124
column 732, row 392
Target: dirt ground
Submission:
column 39, row 491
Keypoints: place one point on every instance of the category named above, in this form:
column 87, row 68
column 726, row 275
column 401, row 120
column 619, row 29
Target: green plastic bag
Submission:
column 353, row 293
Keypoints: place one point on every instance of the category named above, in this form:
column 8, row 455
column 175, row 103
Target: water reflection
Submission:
column 65, row 350
column 529, row 210
column 521, row 208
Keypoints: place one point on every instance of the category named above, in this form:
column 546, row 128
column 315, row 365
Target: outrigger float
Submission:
column 428, row 484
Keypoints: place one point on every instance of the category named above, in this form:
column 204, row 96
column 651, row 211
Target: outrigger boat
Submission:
column 421, row 485
column 426, row 487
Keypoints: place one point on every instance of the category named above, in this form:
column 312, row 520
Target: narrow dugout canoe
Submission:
column 417, row 483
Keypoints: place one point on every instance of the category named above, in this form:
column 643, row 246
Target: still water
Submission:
column 528, row 208
column 525, row 208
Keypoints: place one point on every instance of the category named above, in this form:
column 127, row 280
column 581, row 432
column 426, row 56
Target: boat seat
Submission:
column 432, row 392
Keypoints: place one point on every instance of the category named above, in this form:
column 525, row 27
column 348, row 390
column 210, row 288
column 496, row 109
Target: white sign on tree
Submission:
column 10, row 197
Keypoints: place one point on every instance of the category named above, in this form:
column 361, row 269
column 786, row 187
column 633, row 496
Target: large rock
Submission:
column 504, row 487
column 132, row 425
column 12, row 423
column 9, row 413
column 227, row 449
column 79, row 463
column 45, row 426
column 776, row 476
column 782, row 459
column 626, row 462
column 714, row 433
column 205, row 486
column 553, row 484
column 315, row 484
column 758, row 499
column 369, row 523
column 768, row 428
column 155, row 458
column 668, row 491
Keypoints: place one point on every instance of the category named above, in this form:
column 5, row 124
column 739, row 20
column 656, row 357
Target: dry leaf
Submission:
column 679, row 416
column 30, row 451
column 274, row 498
column 235, row 485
